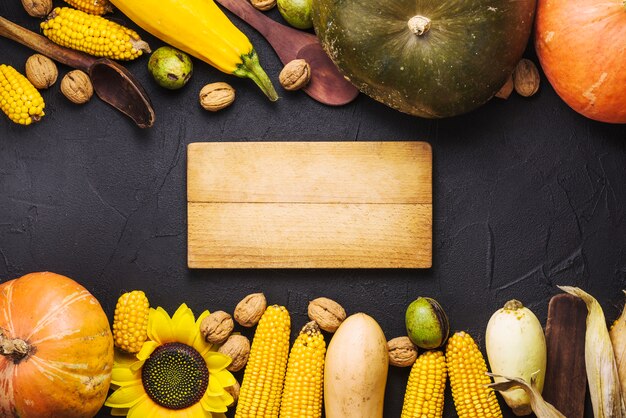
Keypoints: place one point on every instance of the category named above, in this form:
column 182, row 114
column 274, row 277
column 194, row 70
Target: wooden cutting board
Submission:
column 309, row 205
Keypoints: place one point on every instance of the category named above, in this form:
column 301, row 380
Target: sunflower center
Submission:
column 175, row 376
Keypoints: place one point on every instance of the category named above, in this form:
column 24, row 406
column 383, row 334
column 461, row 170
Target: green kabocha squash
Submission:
column 429, row 58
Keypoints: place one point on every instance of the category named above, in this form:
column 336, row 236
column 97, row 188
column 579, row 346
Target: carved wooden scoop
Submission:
column 113, row 83
column 327, row 84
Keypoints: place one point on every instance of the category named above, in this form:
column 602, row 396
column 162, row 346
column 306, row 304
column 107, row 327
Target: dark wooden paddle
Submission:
column 566, row 379
column 327, row 84
column 112, row 83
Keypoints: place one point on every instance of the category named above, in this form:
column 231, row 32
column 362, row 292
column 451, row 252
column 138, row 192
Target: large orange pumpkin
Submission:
column 581, row 45
column 56, row 349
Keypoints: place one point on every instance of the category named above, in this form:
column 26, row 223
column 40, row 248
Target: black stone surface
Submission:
column 528, row 195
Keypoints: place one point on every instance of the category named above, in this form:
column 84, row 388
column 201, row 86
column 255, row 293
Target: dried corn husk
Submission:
column 618, row 338
column 602, row 375
column 540, row 407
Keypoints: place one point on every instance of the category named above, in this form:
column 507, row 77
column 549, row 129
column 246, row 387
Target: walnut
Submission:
column 234, row 392
column 506, row 90
column 249, row 311
column 41, row 71
column 526, row 78
column 402, row 352
column 327, row 313
column 76, row 86
column 237, row 347
column 295, row 75
column 37, row 8
column 216, row 327
column 263, row 5
column 216, row 96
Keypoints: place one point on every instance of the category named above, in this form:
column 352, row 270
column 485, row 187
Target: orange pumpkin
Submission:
column 56, row 349
column 581, row 45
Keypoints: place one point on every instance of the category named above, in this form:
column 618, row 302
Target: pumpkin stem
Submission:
column 419, row 25
column 16, row 348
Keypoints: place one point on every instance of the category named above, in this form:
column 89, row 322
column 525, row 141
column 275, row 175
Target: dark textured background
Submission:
column 528, row 195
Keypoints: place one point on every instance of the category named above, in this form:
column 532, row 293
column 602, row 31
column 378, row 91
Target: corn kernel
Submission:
column 93, row 7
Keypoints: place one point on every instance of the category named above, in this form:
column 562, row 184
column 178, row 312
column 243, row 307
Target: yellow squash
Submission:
column 201, row 29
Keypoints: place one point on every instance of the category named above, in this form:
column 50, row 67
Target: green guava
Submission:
column 296, row 12
column 170, row 67
column 427, row 323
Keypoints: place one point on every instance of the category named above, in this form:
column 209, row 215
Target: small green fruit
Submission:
column 426, row 323
column 170, row 67
column 296, row 12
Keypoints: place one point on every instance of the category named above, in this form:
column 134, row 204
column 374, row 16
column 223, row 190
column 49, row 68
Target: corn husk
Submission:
column 618, row 338
column 540, row 407
column 602, row 375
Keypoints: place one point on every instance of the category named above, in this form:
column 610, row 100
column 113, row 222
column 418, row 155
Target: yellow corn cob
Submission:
column 93, row 7
column 468, row 379
column 130, row 321
column 93, row 35
column 304, row 383
column 19, row 99
column 424, row 391
column 265, row 372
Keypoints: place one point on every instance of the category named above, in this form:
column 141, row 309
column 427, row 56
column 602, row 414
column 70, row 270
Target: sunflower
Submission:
column 176, row 374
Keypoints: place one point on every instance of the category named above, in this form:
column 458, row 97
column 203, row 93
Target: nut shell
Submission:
column 263, row 5
column 216, row 96
column 37, row 8
column 295, row 75
column 237, row 347
column 76, row 86
column 234, row 392
column 249, row 311
column 327, row 313
column 216, row 327
column 402, row 352
column 526, row 78
column 41, row 71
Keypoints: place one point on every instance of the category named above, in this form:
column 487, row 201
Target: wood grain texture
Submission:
column 566, row 378
column 310, row 205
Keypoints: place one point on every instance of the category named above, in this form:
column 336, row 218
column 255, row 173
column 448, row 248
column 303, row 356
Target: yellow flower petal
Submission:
column 136, row 366
column 146, row 350
column 184, row 325
column 217, row 361
column 126, row 396
column 214, row 388
column 213, row 404
column 119, row 412
column 123, row 375
column 195, row 411
column 160, row 326
column 225, row 378
column 227, row 398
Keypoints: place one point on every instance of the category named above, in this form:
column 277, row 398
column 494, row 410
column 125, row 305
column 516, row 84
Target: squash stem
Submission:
column 16, row 348
column 251, row 68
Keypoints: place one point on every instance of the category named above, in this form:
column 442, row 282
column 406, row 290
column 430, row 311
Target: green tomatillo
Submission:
column 170, row 67
column 426, row 323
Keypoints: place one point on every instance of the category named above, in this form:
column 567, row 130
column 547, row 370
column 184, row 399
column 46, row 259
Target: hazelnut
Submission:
column 327, row 313
column 37, row 8
column 249, row 311
column 41, row 71
column 402, row 352
column 216, row 327
column 76, row 86
column 216, row 96
column 526, row 78
column 295, row 75
column 237, row 347
column 263, row 5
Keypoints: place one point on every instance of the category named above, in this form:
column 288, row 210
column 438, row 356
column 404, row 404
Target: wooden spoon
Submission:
column 327, row 84
column 112, row 83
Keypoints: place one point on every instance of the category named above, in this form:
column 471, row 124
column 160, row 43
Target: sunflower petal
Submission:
column 145, row 409
column 225, row 378
column 119, row 412
column 199, row 343
column 184, row 325
column 136, row 366
column 126, row 396
column 227, row 398
column 160, row 326
column 214, row 388
column 146, row 350
column 123, row 375
column 217, row 361
column 195, row 411
column 213, row 404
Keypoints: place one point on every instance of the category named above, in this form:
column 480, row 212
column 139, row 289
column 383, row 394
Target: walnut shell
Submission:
column 263, row 5
column 41, row 71
column 76, row 86
column 216, row 327
column 249, row 311
column 327, row 313
column 526, row 78
column 237, row 347
column 216, row 96
column 506, row 90
column 37, row 8
column 295, row 75
column 234, row 392
column 402, row 352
